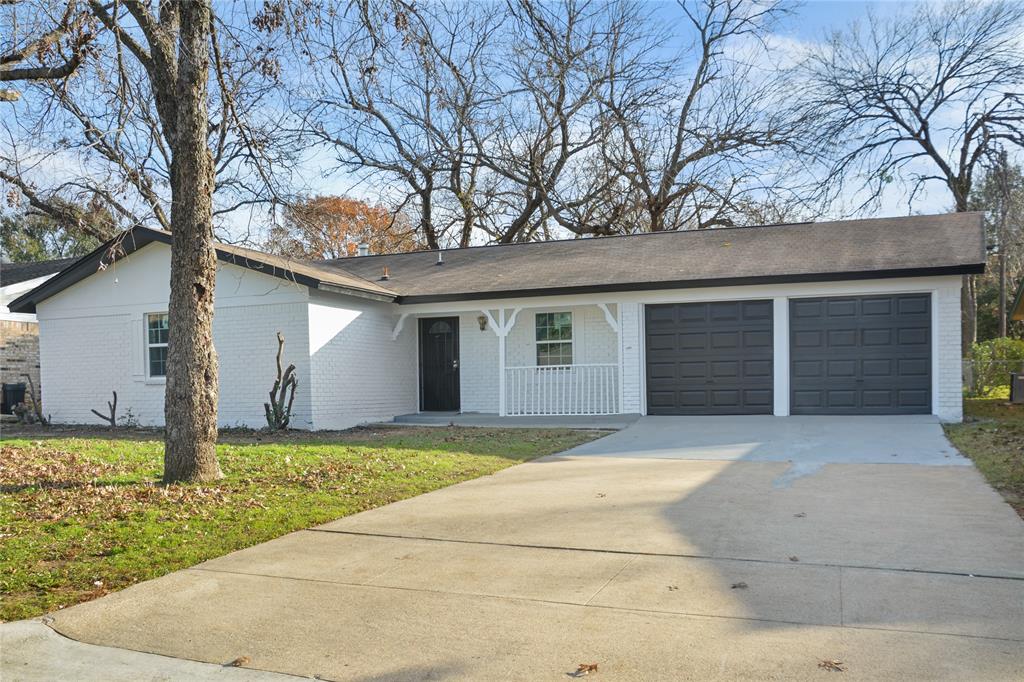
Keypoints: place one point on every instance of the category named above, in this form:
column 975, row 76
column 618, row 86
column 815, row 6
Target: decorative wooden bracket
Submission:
column 609, row 318
column 398, row 326
column 502, row 330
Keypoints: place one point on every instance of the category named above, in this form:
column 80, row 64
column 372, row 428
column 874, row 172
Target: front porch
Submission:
column 611, row 422
column 531, row 362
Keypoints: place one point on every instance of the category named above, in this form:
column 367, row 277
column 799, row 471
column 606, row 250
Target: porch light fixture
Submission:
column 482, row 321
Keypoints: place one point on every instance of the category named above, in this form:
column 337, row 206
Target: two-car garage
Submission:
column 847, row 355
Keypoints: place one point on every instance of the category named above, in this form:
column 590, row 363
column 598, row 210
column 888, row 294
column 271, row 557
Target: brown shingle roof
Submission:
column 282, row 266
column 845, row 249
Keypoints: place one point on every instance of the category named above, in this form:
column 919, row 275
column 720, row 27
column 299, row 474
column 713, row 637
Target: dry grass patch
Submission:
column 992, row 435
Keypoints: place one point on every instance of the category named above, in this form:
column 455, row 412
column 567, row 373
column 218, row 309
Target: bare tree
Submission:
column 564, row 60
column 698, row 146
column 999, row 191
column 45, row 41
column 169, row 120
column 923, row 95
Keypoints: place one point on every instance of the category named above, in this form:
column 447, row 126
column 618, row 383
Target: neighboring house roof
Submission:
column 799, row 252
column 847, row 249
column 12, row 273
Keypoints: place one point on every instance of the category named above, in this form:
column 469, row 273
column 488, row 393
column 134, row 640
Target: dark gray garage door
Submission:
column 709, row 358
column 861, row 355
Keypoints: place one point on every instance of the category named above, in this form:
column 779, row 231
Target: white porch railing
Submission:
column 562, row 390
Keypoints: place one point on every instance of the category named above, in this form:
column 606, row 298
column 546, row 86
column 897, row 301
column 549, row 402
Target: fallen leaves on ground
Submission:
column 794, row 558
column 63, row 485
column 585, row 669
column 239, row 662
column 48, row 468
column 831, row 665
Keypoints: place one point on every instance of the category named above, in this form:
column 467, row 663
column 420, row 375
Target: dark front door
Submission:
column 439, row 364
column 710, row 358
column 861, row 355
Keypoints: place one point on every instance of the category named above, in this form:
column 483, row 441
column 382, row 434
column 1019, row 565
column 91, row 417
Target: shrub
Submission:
column 991, row 363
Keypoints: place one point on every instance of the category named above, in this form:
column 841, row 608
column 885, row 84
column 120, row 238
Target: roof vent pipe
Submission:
column 440, row 258
column 363, row 249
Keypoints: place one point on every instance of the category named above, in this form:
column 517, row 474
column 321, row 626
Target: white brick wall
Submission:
column 948, row 392
column 92, row 341
column 349, row 368
column 246, row 342
column 82, row 360
column 359, row 374
column 478, row 365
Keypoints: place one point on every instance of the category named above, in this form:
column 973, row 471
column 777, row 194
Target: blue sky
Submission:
column 811, row 21
column 815, row 18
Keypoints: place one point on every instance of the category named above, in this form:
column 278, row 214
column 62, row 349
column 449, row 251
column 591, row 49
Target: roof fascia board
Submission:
column 698, row 284
column 358, row 293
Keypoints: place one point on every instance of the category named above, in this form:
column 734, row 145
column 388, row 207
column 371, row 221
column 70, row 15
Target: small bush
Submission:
column 991, row 363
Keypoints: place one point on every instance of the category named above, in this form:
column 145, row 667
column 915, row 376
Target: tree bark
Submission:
column 969, row 305
column 968, row 292
column 190, row 408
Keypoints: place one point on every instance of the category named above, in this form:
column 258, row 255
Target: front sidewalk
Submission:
column 30, row 651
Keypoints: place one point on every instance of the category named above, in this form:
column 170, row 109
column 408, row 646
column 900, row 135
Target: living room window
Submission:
column 554, row 339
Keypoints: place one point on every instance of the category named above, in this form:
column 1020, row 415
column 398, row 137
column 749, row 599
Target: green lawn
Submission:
column 82, row 513
column 993, row 436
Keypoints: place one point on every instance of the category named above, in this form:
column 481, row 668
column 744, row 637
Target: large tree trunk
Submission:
column 190, row 408
column 969, row 320
column 968, row 292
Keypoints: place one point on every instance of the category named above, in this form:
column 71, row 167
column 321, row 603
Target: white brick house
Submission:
column 855, row 317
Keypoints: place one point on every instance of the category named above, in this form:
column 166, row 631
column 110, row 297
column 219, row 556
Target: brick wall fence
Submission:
column 19, row 352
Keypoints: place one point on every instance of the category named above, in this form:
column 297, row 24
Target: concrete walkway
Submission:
column 32, row 652
column 913, row 439
column 666, row 567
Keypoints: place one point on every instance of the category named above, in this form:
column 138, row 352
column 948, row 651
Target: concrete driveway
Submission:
column 678, row 548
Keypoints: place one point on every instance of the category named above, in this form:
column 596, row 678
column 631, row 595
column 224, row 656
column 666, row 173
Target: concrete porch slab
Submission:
column 612, row 422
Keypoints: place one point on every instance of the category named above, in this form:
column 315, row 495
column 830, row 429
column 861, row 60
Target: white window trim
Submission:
column 150, row 379
column 572, row 341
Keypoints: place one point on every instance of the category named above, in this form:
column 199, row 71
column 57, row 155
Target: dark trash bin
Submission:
column 12, row 395
column 1017, row 388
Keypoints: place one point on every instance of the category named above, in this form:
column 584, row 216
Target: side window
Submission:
column 156, row 344
column 554, row 339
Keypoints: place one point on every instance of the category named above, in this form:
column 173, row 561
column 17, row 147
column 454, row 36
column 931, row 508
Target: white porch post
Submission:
column 502, row 410
column 501, row 328
column 780, row 349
